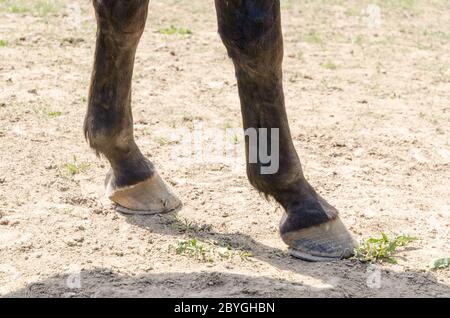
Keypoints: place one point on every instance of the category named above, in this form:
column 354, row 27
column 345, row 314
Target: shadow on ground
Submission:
column 339, row 279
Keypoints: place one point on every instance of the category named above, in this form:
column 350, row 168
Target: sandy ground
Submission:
column 368, row 100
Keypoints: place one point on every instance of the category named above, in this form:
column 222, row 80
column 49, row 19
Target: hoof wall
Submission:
column 326, row 242
column 148, row 197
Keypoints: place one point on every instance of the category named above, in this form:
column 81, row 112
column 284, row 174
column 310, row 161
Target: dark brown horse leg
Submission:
column 251, row 32
column 133, row 184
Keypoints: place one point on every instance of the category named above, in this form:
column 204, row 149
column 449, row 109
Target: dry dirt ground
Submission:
column 368, row 99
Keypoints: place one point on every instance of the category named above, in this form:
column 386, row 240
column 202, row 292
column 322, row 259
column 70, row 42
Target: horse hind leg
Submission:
column 132, row 183
column 251, row 32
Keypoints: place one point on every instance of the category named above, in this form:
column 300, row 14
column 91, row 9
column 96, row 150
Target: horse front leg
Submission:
column 251, row 32
column 132, row 183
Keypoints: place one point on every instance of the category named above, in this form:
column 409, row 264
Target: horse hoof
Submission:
column 148, row 197
column 326, row 242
